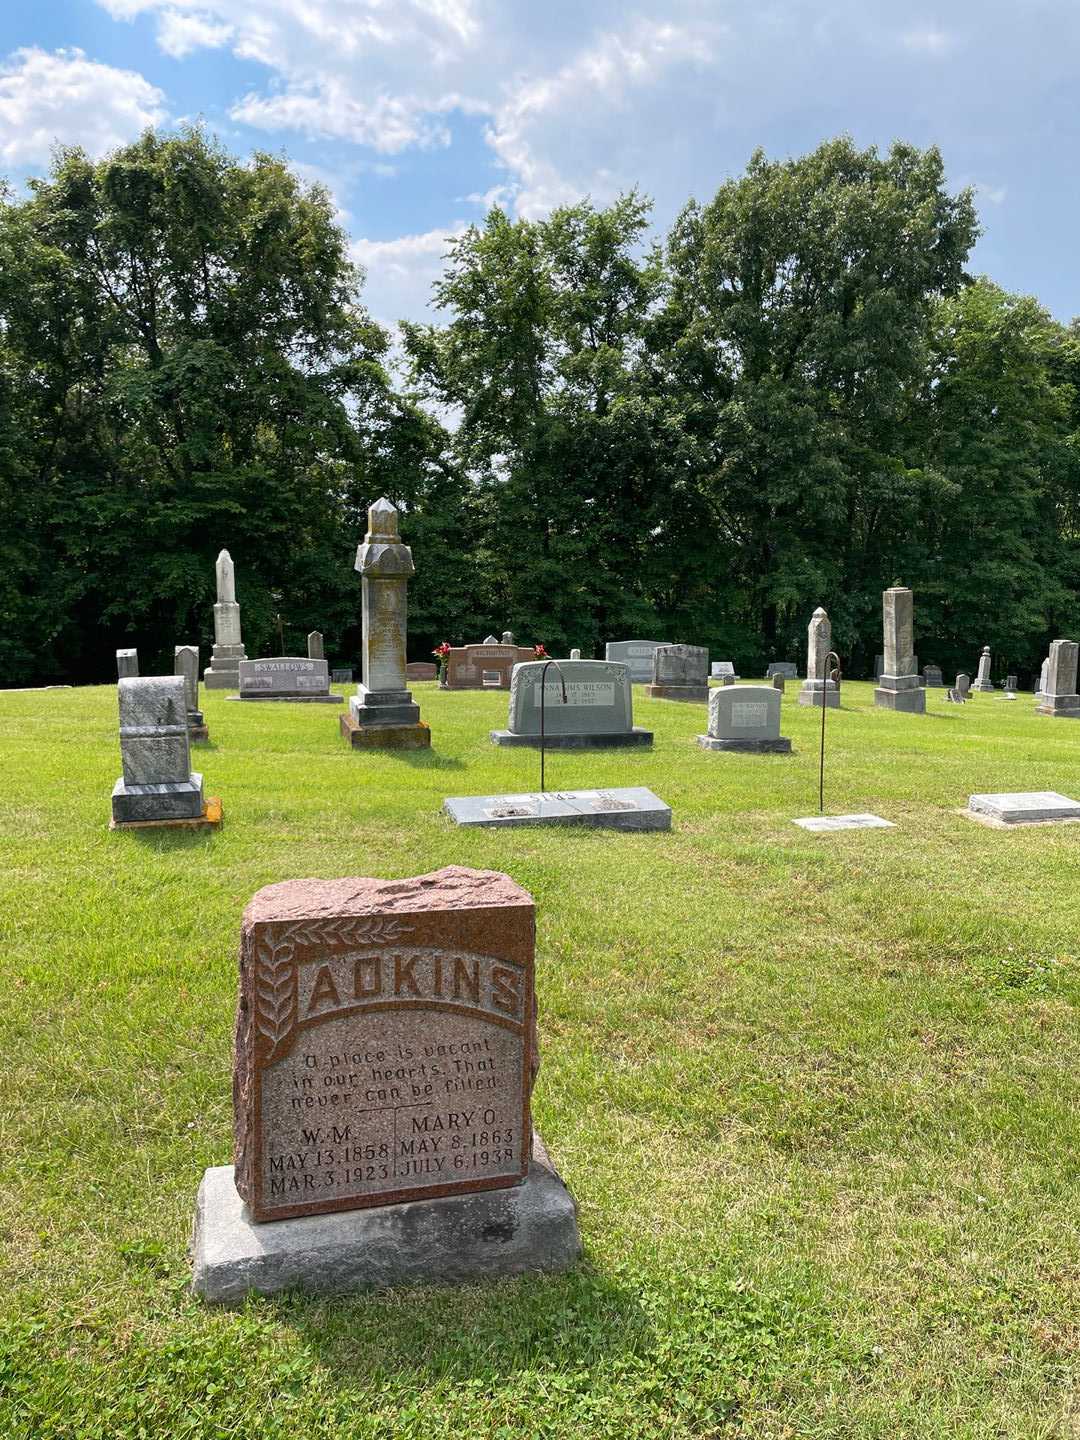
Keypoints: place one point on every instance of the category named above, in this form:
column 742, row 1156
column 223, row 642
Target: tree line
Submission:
column 798, row 397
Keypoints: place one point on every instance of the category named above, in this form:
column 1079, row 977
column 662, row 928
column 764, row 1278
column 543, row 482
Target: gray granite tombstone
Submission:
column 723, row 670
column 982, row 679
column 127, row 664
column 1009, row 683
column 879, row 666
column 223, row 672
column 157, row 784
column 1032, row 807
column 342, row 677
column 315, row 645
column 963, row 684
column 186, row 664
column 680, row 672
column 286, row 677
column 745, row 718
column 382, row 713
column 637, row 654
column 932, row 677
column 627, row 807
column 899, row 687
column 779, row 682
column 1059, row 695
column 787, row 669
column 597, row 710
column 818, row 688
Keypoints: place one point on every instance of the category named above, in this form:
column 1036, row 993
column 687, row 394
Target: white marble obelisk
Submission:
column 223, row 672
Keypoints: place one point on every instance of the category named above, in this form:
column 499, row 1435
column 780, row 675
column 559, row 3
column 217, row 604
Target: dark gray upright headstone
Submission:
column 157, row 783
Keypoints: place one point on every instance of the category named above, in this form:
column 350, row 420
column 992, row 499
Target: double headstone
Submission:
column 382, row 713
column 587, row 704
column 818, row 689
column 157, row 784
column 385, row 1056
column 1059, row 695
column 484, row 667
column 786, row 669
column 186, row 665
column 127, row 664
column 745, row 718
column 680, row 672
column 899, row 687
column 286, row 677
column 982, row 679
column 636, row 654
column 223, row 672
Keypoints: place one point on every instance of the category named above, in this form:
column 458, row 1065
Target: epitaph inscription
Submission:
column 383, row 1056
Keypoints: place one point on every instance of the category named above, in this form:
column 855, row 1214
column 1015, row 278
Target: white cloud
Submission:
column 180, row 33
column 329, row 111
column 401, row 272
column 63, row 98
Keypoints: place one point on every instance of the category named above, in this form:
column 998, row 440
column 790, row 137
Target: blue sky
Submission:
column 420, row 113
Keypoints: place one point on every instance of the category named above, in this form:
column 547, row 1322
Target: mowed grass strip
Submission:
column 815, row 1094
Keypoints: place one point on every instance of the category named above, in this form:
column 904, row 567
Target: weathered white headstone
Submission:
column 127, row 664
column 597, row 709
column 982, row 679
column 315, row 645
column 1059, row 695
column 745, row 718
column 899, row 687
column 186, row 664
column 818, row 689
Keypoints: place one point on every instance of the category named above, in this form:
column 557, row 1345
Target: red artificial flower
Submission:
column 443, row 649
column 540, row 652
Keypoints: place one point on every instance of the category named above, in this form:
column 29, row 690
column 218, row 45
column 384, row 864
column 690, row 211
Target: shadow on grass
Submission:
column 424, row 759
column 167, row 838
column 474, row 1333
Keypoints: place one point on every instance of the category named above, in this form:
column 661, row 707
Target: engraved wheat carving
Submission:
column 358, row 930
column 275, row 991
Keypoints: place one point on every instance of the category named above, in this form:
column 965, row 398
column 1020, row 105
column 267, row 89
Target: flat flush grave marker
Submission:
column 845, row 822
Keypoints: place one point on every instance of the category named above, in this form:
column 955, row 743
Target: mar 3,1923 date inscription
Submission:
column 385, row 1042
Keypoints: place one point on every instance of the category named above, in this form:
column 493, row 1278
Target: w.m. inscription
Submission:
column 385, row 1041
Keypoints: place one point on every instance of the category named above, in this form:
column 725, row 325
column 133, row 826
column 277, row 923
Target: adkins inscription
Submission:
column 385, row 1041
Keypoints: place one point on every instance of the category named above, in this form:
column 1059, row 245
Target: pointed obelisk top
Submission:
column 382, row 521
column 226, row 579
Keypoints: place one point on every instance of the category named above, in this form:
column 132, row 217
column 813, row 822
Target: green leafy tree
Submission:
column 791, row 344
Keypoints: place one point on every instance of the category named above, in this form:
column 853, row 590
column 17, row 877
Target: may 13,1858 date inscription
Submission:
column 385, row 1041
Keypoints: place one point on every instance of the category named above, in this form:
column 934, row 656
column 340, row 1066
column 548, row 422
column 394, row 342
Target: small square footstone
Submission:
column 1025, row 807
column 828, row 823
column 624, row 808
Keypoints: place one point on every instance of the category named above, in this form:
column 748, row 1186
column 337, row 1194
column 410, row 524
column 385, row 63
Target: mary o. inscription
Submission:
column 385, row 1041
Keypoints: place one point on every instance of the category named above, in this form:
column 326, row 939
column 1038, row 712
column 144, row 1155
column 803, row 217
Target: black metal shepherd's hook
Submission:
column 543, row 697
column 832, row 655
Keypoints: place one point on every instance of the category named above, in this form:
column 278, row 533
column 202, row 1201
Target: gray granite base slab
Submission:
column 460, row 1238
column 1065, row 707
column 1025, row 807
column 911, row 702
column 290, row 699
column 180, row 801
column 625, row 808
column 221, row 679
column 813, row 697
column 828, row 823
column 620, row 739
column 782, row 746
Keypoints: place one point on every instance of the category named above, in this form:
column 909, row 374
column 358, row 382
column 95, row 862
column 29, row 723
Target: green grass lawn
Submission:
column 815, row 1094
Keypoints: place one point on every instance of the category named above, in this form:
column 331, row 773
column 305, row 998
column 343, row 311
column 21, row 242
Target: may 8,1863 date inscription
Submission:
column 385, row 1041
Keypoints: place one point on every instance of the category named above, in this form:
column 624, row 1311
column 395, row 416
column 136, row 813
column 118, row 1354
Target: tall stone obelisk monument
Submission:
column 898, row 687
column 818, row 645
column 382, row 714
column 223, row 672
